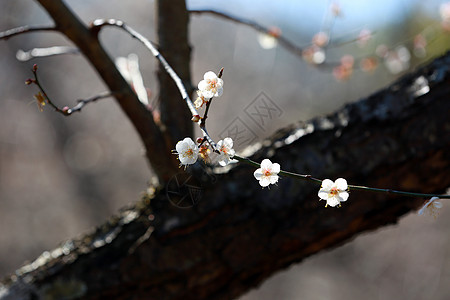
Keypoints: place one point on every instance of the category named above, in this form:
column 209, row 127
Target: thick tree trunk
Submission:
column 238, row 234
column 172, row 23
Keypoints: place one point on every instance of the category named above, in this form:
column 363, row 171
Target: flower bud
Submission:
column 66, row 110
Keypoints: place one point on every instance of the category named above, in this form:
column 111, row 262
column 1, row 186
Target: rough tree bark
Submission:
column 239, row 234
column 172, row 22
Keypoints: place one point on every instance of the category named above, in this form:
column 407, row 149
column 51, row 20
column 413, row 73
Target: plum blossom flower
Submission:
column 226, row 150
column 268, row 173
column 204, row 153
column 431, row 206
column 187, row 151
column 40, row 100
column 334, row 192
column 211, row 85
column 200, row 100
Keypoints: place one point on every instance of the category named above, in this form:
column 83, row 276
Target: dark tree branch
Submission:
column 172, row 23
column 165, row 166
column 98, row 24
column 239, row 234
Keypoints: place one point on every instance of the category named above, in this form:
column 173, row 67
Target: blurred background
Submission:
column 61, row 176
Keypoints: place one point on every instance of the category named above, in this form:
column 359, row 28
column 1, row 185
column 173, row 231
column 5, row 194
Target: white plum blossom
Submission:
column 226, row 150
column 211, row 85
column 334, row 192
column 268, row 173
column 187, row 151
column 431, row 206
column 200, row 100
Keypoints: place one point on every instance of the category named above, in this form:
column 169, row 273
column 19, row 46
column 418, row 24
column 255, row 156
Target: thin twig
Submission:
column 45, row 52
column 66, row 111
column 83, row 102
column 350, row 186
column 285, row 42
column 25, row 29
column 281, row 39
column 96, row 25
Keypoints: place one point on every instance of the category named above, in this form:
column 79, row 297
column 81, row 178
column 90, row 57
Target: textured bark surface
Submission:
column 239, row 234
column 172, row 23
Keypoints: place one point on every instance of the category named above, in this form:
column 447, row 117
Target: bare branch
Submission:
column 42, row 97
column 281, row 39
column 165, row 166
column 148, row 44
column 99, row 23
column 45, row 52
column 25, row 29
column 83, row 102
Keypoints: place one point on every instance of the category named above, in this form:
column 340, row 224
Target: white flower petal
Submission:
column 273, row 179
column 266, row 164
column 210, row 75
column 276, row 168
column 258, row 174
column 323, row 194
column 327, row 184
column 343, row 196
column 341, row 184
column 264, row 181
column 333, row 202
column 228, row 142
column 202, row 85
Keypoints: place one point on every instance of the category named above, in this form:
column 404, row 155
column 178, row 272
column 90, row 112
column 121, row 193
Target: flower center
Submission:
column 189, row 152
column 334, row 191
column 267, row 173
column 212, row 84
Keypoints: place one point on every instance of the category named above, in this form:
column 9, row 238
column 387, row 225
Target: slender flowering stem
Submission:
column 66, row 111
column 351, row 187
column 98, row 24
column 202, row 123
column 36, row 81
column 208, row 104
